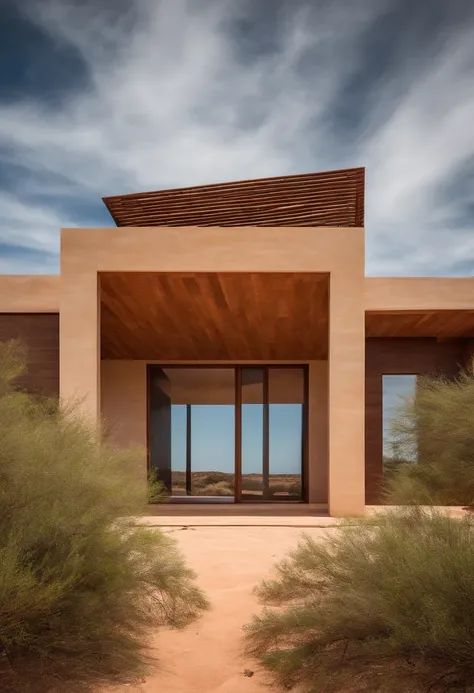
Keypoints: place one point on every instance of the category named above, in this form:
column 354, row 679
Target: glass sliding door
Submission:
column 286, row 395
column 273, row 433
column 220, row 434
column 192, row 431
column 252, row 433
column 179, row 450
column 212, row 446
column 160, row 426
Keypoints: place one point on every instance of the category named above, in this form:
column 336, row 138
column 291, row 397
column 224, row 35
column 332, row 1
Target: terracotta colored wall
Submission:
column 123, row 401
column 419, row 293
column 29, row 293
column 400, row 357
column 318, row 477
column 40, row 333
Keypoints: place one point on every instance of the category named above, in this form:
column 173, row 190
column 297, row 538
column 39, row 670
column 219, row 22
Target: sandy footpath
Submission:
column 207, row 657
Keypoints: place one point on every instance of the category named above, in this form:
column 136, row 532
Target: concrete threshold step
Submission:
column 280, row 510
column 238, row 521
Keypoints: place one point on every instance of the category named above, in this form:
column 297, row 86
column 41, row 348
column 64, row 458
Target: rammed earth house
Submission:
column 230, row 330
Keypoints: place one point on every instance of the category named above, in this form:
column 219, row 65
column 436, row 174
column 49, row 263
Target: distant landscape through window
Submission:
column 395, row 388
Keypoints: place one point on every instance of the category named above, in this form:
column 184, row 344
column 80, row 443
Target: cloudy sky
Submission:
column 103, row 98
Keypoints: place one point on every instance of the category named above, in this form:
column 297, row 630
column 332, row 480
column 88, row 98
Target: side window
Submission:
column 395, row 389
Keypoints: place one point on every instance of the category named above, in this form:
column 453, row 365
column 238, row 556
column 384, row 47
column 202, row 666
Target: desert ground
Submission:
column 207, row 657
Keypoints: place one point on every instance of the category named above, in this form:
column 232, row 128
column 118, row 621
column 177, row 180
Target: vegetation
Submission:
column 385, row 605
column 80, row 584
column 218, row 489
column 215, row 483
column 157, row 492
column 434, row 432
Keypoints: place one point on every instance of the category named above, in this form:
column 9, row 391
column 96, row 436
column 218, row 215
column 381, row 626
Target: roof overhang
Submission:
column 441, row 324
column 214, row 316
column 438, row 307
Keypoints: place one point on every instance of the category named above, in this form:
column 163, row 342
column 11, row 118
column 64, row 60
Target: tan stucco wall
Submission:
column 318, row 473
column 29, row 293
column 339, row 251
column 419, row 293
column 87, row 252
column 123, row 401
column 32, row 293
column 124, row 410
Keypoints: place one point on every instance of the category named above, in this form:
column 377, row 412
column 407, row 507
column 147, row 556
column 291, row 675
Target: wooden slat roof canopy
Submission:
column 331, row 198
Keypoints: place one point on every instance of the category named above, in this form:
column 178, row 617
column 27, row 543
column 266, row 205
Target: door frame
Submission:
column 237, row 368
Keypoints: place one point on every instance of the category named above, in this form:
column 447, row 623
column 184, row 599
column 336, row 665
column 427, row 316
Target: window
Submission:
column 395, row 390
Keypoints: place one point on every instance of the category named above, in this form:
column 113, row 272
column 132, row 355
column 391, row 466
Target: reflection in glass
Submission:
column 202, row 431
column 160, row 427
column 286, row 407
column 178, row 449
column 252, row 433
column 395, row 389
column 213, row 449
column 192, row 432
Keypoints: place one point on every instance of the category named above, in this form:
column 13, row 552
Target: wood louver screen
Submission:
column 332, row 198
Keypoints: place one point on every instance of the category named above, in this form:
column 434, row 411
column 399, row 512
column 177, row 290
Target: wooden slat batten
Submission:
column 331, row 198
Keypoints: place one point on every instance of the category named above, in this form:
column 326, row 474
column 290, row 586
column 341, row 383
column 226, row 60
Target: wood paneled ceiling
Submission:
column 331, row 198
column 214, row 316
column 443, row 324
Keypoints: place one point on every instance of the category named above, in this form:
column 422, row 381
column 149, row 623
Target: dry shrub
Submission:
column 434, row 429
column 80, row 585
column 380, row 605
column 221, row 488
column 216, row 477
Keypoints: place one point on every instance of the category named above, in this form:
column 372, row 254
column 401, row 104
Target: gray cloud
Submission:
column 180, row 93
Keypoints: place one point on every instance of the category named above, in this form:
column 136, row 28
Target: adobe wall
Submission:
column 338, row 251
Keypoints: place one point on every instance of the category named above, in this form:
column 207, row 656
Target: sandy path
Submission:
column 207, row 657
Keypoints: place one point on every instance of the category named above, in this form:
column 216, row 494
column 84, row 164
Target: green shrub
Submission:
column 157, row 491
column 381, row 605
column 80, row 585
column 434, row 429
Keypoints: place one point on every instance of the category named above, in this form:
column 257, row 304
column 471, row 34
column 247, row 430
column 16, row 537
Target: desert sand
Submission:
column 208, row 657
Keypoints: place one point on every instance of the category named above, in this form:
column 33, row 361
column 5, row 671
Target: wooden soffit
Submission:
column 214, row 316
column 331, row 198
column 442, row 324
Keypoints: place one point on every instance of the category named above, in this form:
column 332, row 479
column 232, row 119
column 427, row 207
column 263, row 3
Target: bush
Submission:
column 220, row 489
column 80, row 585
column 381, row 605
column 157, row 491
column 434, row 429
column 216, row 478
